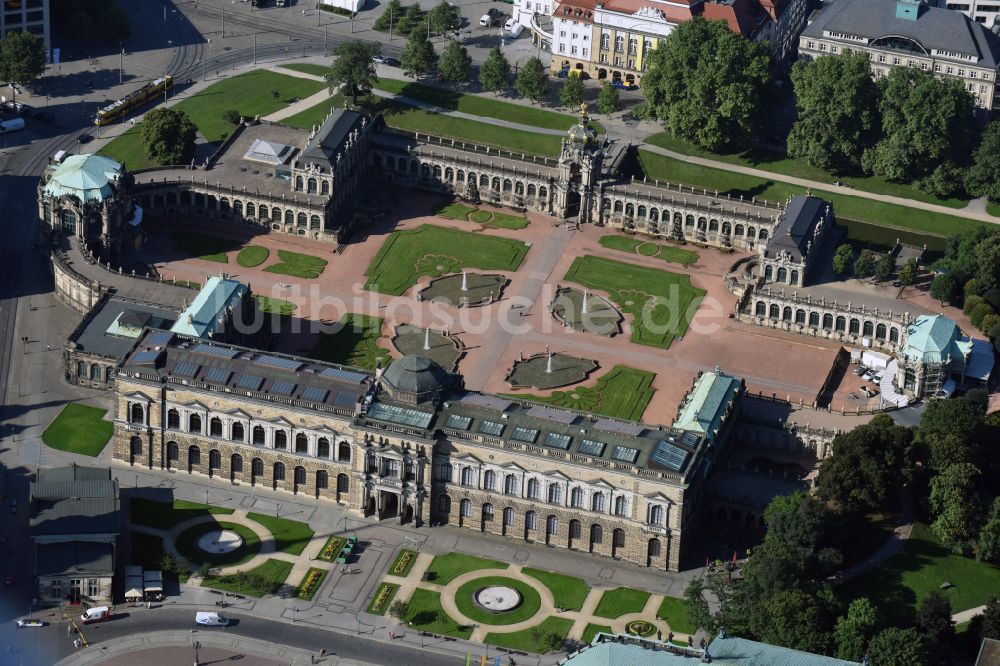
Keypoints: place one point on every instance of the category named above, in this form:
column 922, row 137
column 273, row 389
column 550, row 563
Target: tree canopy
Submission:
column 855, row 630
column 843, row 259
column 865, row 265
column 954, row 431
column 983, row 177
column 444, row 16
column 571, row 93
column 418, row 57
column 607, row 101
column 837, row 103
column 957, row 507
column 168, row 136
column 898, row 647
column 455, row 63
column 533, row 80
column 705, row 83
column 353, row 70
column 926, row 121
column 494, row 74
column 22, row 58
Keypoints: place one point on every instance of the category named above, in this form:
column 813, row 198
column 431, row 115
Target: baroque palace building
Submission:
column 410, row 443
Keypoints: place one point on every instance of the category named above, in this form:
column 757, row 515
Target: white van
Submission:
column 11, row 125
column 96, row 614
column 508, row 26
column 515, row 30
column 210, row 619
column 485, row 20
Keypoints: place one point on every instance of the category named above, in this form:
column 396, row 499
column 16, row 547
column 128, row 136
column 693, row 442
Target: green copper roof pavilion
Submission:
column 706, row 404
column 86, row 177
column 935, row 339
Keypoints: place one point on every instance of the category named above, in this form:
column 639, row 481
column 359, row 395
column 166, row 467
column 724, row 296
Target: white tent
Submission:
column 874, row 360
column 133, row 594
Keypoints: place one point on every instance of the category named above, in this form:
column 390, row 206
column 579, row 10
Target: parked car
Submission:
column 877, row 379
column 860, row 370
column 868, row 376
column 84, row 138
column 210, row 619
column 30, row 622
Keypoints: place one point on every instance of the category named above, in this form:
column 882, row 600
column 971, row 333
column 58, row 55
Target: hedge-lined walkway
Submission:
column 586, row 615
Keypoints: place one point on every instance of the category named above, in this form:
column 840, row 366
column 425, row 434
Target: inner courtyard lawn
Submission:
column 592, row 630
column 621, row 601
column 290, row 536
column 675, row 612
column 165, row 515
column 187, row 544
column 900, row 583
column 429, row 250
column 623, row 393
column 661, row 303
column 355, row 344
column 203, row 246
column 530, row 601
column 445, row 568
column 568, row 592
column 848, row 207
column 277, row 306
column 79, row 429
column 457, row 211
column 424, row 612
column 546, row 636
column 266, row 578
column 298, row 265
column 647, row 249
column 252, row 255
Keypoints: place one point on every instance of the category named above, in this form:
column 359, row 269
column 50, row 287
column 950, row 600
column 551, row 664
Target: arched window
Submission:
column 774, row 312
column 301, row 443
column 762, row 235
column 868, row 329
column 893, row 334
column 301, row 219
column 299, row 475
column 173, row 452
column 828, row 321
column 279, row 471
column 215, row 427
column 760, row 309
column 629, row 210
column 574, row 529
column 324, row 187
column 496, row 183
column 460, row 175
column 484, row 181
column 298, row 183
column 621, row 506
column 654, row 548
column 508, row 517
column 739, row 230
column 136, row 446
column 531, row 521
column 258, row 436
column 323, row 447
column 641, row 212
column 137, row 414
column 344, row 452
column 596, row 534
column 795, row 277
column 654, row 215
column 727, row 228
column 656, row 515
column 173, row 419
column 251, row 210
column 194, row 456
column 194, row 423
column 489, row 480
column 533, row 489
column 555, row 493
column 280, row 440
column 800, row 316
column 841, row 324
column 531, row 189
column 487, row 511
column 814, row 319
column 314, row 222
column 782, row 274
column 619, row 206
column 543, row 192
column 468, row 477
column 519, row 188
column 465, row 508
column 855, row 327
column 449, row 174
column 214, row 459
column 713, row 225
column 786, row 313
column 322, row 480
column 597, row 503
column 510, row 485
column 238, row 433
column 551, row 525
column 236, row 463
column 256, row 467
column 437, row 171
column 880, row 332
column 508, row 185
column 576, row 498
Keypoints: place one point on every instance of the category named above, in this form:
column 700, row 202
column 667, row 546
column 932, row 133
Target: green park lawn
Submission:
column 660, row 302
column 355, row 344
column 457, row 211
column 446, row 568
column 424, row 612
column 531, row 602
column 307, row 68
column 592, row 630
column 429, row 250
column 252, row 255
column 901, row 582
column 546, row 636
column 277, row 306
column 477, row 105
column 266, row 578
column 675, row 612
column 621, row 601
column 165, row 515
column 993, row 208
column 454, row 211
column 290, row 536
column 186, row 544
column 845, row 207
column 79, row 429
column 568, row 592
column 623, row 393
column 203, row 246
column 250, row 94
column 647, row 248
column 787, row 166
column 298, row 265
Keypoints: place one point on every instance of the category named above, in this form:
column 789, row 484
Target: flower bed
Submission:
column 383, row 597
column 403, row 563
column 331, row 549
column 311, row 583
column 640, row 628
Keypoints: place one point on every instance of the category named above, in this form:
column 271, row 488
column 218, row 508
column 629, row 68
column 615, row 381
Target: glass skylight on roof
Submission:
column 187, row 370
column 276, row 362
column 250, row 382
column 159, row 338
column 592, row 448
column 343, row 375
column 557, row 440
column 491, row 428
column 345, row 399
column 522, row 434
column 458, row 422
column 218, row 375
column 314, row 394
column 625, row 454
column 223, row 352
column 400, row 415
column 146, row 357
column 669, row 455
column 281, row 388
